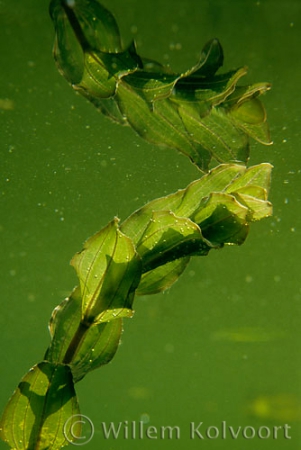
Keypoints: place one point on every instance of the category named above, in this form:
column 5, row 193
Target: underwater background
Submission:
column 222, row 346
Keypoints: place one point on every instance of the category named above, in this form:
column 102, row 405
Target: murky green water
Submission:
column 221, row 347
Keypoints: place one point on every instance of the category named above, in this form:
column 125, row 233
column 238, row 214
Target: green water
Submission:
column 223, row 344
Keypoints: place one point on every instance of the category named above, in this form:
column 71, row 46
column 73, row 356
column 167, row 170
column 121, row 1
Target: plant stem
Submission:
column 76, row 341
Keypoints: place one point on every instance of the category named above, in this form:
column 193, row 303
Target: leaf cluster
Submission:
column 205, row 116
column 200, row 113
column 143, row 255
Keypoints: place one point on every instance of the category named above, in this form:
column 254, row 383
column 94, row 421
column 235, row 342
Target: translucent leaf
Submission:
column 109, row 271
column 64, row 322
column 152, row 85
column 258, row 209
column 35, row 415
column 87, row 47
column 223, row 220
column 250, row 188
column 96, row 346
column 223, row 139
column 162, row 277
column 94, row 26
column 212, row 58
column 213, row 90
column 160, row 129
column 166, row 111
column 248, row 111
column 251, row 117
column 168, row 237
column 217, row 180
column 97, row 81
column 67, row 50
column 242, row 94
column 135, row 225
column 103, row 71
column 259, row 175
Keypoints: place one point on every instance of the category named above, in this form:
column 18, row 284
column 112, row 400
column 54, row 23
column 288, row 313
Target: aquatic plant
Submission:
column 203, row 115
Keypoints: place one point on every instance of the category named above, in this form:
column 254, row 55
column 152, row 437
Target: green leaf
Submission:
column 152, row 86
column 219, row 136
column 97, row 345
column 64, row 322
column 38, row 410
column 252, row 190
column 242, row 94
column 103, row 71
column 162, row 277
column 223, row 220
column 212, row 91
column 93, row 25
column 109, row 271
column 217, row 180
column 135, row 225
column 259, row 175
column 212, row 58
column 153, row 124
column 250, row 116
column 168, row 112
column 97, row 348
column 168, row 237
column 248, row 112
column 87, row 47
column 67, row 50
column 252, row 198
